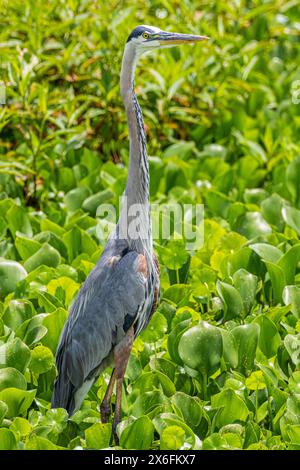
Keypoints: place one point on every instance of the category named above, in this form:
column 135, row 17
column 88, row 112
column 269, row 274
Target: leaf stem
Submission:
column 204, row 385
column 270, row 413
column 256, row 403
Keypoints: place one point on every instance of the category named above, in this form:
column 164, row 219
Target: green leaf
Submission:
column 267, row 252
column 32, row 330
column 252, row 434
column 15, row 354
column 255, row 196
column 291, row 296
column 66, row 179
column 41, row 275
column 292, row 178
column 156, row 328
column 256, row 381
column 48, row 302
column 218, row 203
column 18, row 401
column 54, row 422
column 232, row 407
column 231, row 298
column 18, row 221
column 252, row 224
column 292, row 344
column 134, row 367
column 215, row 442
column 74, row 198
column 288, row 262
column 293, row 431
column 39, row 443
column 3, row 410
column 155, row 379
column 11, row 273
column 3, row 228
column 246, row 337
column 88, row 245
column 271, row 209
column 41, row 360
column 54, row 323
column 7, row 440
column 230, row 349
column 234, row 261
column 49, row 225
column 165, row 366
column 269, row 337
column 291, row 415
column 46, row 255
column 294, row 382
column 72, row 240
column 201, row 348
column 10, row 377
column 92, row 203
column 291, row 217
column 257, row 446
column 233, row 440
column 54, row 240
column 147, row 402
column 174, row 255
column 138, row 435
column 172, row 438
column 21, row 427
column 98, row 436
column 164, row 420
column 174, row 338
column 278, row 280
column 246, row 284
column 67, row 285
column 17, row 312
column 188, row 408
column 178, row 294
column 26, row 246
column 262, row 412
column 90, row 159
column 180, row 149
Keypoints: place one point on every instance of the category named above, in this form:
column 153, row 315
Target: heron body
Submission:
column 120, row 294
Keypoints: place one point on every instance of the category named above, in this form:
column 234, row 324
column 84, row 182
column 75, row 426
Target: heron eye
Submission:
column 145, row 35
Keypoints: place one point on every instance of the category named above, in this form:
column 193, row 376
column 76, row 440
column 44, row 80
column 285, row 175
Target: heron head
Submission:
column 145, row 38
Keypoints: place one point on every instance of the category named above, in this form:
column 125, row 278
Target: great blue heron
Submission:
column 122, row 291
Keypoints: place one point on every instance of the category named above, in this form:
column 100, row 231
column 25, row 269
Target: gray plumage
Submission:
column 118, row 297
column 113, row 297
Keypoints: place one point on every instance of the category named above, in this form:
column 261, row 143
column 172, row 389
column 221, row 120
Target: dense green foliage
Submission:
column 218, row 366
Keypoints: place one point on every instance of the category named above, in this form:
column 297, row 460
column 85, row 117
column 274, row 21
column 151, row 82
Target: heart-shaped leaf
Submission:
column 201, row 348
column 138, row 435
column 291, row 296
column 246, row 337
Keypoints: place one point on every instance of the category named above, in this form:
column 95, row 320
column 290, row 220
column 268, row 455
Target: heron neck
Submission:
column 137, row 186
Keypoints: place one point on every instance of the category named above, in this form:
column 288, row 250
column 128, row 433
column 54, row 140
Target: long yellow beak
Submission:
column 170, row 39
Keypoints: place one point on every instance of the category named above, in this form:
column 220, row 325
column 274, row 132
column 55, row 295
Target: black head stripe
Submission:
column 138, row 31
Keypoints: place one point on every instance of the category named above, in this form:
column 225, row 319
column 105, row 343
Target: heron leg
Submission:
column 117, row 416
column 105, row 405
column 121, row 356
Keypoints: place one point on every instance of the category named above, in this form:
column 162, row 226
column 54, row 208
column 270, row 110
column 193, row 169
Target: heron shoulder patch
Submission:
column 142, row 266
